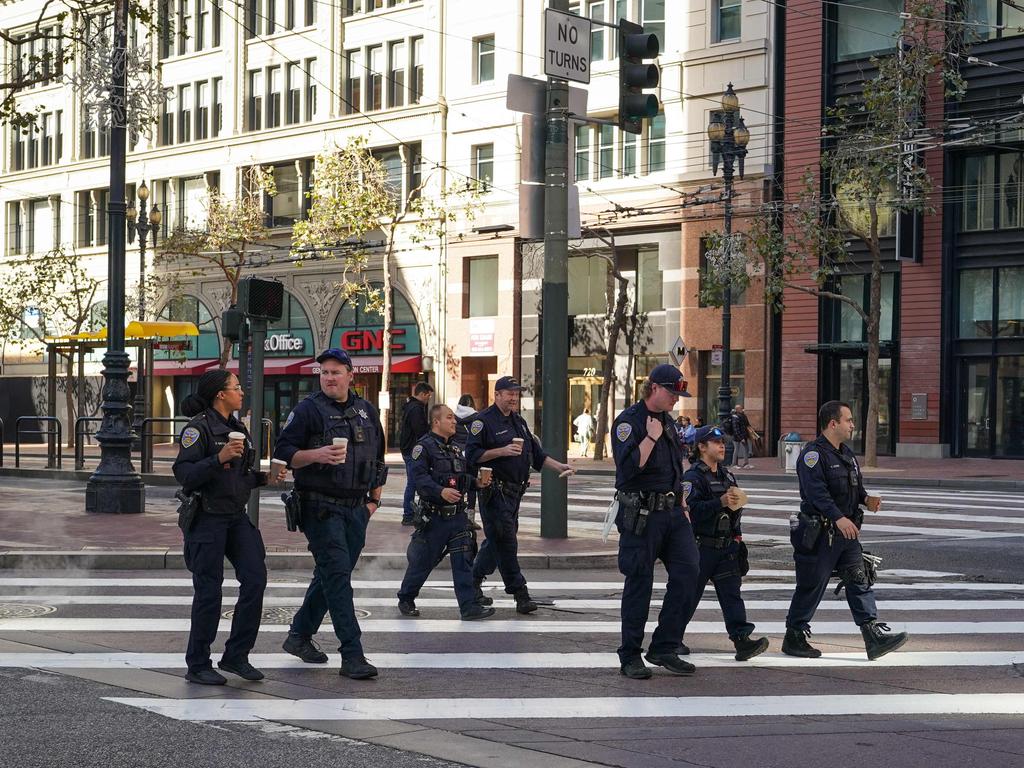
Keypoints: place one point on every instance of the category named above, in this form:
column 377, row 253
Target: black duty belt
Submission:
column 341, row 501
column 651, row 501
column 714, row 542
column 503, row 486
column 448, row 510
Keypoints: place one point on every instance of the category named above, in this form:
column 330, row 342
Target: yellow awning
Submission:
column 156, row 330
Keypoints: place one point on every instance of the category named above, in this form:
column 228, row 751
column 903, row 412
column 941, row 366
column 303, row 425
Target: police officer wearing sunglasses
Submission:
column 653, row 524
column 715, row 508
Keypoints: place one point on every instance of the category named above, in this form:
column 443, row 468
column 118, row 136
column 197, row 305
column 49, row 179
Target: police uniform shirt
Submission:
column 663, row 472
column 225, row 487
column 437, row 464
column 831, row 484
column 705, row 502
column 492, row 429
column 305, row 429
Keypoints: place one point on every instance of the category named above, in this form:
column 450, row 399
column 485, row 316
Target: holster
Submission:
column 634, row 515
column 292, row 511
column 811, row 527
column 419, row 517
column 743, row 559
column 188, row 509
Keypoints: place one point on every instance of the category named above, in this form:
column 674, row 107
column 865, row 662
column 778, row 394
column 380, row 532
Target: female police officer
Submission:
column 220, row 470
column 714, row 502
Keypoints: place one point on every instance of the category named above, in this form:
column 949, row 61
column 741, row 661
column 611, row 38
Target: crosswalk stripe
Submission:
column 873, row 527
column 565, row 708
column 901, row 515
column 516, row 626
column 126, row 660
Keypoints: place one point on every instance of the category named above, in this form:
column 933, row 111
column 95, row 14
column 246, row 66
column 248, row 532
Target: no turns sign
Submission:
column 566, row 46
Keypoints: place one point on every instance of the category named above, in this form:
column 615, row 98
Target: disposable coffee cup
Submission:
column 264, row 465
column 518, row 441
column 342, row 441
column 278, row 467
column 236, row 436
column 484, row 474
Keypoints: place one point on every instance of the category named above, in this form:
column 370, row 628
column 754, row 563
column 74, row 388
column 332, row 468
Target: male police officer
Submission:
column 500, row 439
column 826, row 538
column 653, row 523
column 439, row 475
column 339, row 488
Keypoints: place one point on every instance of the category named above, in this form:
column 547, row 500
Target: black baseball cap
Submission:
column 508, row 382
column 334, row 353
column 704, row 434
column 669, row 377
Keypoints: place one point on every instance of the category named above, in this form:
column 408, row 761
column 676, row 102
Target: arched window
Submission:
column 291, row 336
column 191, row 309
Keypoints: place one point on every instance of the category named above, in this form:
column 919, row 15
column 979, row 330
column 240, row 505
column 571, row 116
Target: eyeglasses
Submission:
column 236, row 388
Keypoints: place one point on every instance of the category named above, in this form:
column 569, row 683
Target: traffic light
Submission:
column 635, row 74
column 261, row 299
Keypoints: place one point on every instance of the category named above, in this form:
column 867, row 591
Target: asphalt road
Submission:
column 91, row 665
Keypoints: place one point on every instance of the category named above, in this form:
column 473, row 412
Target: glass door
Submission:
column 584, row 395
column 1008, row 432
column 976, row 381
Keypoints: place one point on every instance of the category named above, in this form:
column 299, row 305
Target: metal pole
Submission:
column 554, row 523
column 142, row 230
column 725, row 390
column 258, row 334
column 115, row 486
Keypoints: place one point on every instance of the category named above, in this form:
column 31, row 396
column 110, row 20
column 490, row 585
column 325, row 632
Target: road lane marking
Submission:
column 580, row 708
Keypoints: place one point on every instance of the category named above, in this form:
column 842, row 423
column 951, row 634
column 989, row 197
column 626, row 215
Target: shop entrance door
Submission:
column 975, row 383
column 992, row 404
column 584, row 394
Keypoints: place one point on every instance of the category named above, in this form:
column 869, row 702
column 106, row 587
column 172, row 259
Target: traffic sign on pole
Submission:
column 566, row 46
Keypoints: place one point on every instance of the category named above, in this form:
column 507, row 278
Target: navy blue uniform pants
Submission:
column 668, row 537
column 212, row 538
column 335, row 542
column 812, row 576
column 499, row 515
column 721, row 567
column 451, row 535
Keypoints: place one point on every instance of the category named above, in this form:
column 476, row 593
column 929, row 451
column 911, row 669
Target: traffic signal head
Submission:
column 635, row 75
column 261, row 299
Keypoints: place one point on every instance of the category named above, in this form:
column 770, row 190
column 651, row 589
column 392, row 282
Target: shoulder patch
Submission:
column 476, row 427
column 291, row 417
column 417, row 451
column 623, row 431
column 189, row 437
column 811, row 459
column 687, row 487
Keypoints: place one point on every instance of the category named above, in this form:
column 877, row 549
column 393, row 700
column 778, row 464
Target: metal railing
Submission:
column 268, row 438
column 148, row 435
column 79, row 438
column 51, row 450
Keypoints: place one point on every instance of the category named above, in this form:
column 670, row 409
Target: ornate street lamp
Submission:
column 140, row 225
column 729, row 138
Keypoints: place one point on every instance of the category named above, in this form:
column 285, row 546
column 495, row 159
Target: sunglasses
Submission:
column 676, row 388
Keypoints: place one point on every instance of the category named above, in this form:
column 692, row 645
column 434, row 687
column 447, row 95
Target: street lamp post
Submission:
column 729, row 137
column 139, row 224
column 115, row 486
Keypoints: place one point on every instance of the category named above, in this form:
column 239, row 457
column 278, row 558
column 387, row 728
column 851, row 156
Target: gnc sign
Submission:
column 369, row 342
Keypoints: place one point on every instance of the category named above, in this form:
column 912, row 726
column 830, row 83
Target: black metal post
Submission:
column 258, row 334
column 140, row 225
column 115, row 486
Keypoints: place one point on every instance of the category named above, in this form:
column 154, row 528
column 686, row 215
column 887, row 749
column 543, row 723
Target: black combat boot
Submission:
column 877, row 643
column 477, row 611
column 480, row 596
column 747, row 649
column 357, row 668
column 408, row 608
column 795, row 644
column 523, row 602
column 305, row 649
column 671, row 662
column 682, row 649
column 635, row 669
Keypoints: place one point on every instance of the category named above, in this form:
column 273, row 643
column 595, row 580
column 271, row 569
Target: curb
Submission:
column 171, row 559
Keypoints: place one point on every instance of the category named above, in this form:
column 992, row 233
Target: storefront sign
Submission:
column 481, row 335
column 283, row 342
column 177, row 346
column 371, row 342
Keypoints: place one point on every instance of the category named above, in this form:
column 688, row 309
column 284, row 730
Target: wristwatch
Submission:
column 371, row 500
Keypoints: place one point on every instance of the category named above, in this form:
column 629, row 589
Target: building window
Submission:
column 391, row 159
column 656, row 144
column 202, row 25
column 184, row 114
column 44, row 220
column 310, row 17
column 417, row 80
column 991, row 303
column 274, row 97
column 185, row 26
column 726, row 23
column 605, row 151
column 19, row 150
column 216, row 4
column 40, row 58
column 648, row 282
column 256, row 100
column 711, row 380
column 353, row 82
column 292, row 113
column 588, row 285
column 397, row 63
column 218, row 107
column 995, row 18
column 285, row 208
column 866, row 28
column 979, row 173
column 310, row 89
column 166, row 119
column 15, row 229
column 375, row 78
column 628, row 163
column 582, row 153
column 95, row 135
column 482, row 287
column 483, row 59
column 191, row 209
column 483, row 165
column 652, row 16
column 202, row 110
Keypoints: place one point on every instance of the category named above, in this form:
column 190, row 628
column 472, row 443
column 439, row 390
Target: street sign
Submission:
column 716, row 354
column 677, row 352
column 566, row 46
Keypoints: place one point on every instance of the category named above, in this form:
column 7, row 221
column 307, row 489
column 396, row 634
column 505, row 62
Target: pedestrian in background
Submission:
column 743, row 436
column 216, row 461
column 414, row 426
column 334, row 443
column 584, row 424
column 653, row 525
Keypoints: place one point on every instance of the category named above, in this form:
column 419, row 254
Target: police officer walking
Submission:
column 715, row 505
column 215, row 461
column 500, row 439
column 439, row 475
column 334, row 443
column 653, row 524
column 826, row 537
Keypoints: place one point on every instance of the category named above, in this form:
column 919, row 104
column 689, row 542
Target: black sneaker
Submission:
column 357, row 668
column 682, row 649
column 635, row 669
column 671, row 662
column 408, row 608
column 747, row 649
column 242, row 668
column 795, row 644
column 305, row 649
column 877, row 643
column 206, row 677
column 480, row 596
column 477, row 611
column 523, row 602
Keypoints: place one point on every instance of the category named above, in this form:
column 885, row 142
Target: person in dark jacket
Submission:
column 713, row 498
column 743, row 436
column 465, row 412
column 215, row 460
column 414, row 426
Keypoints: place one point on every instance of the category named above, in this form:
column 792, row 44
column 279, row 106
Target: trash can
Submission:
column 789, row 451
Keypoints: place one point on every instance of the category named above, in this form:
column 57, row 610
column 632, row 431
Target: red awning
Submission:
column 186, row 368
column 278, row 366
column 407, row 364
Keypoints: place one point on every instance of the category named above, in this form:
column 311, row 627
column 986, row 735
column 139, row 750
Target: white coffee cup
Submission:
column 518, row 441
column 342, row 441
column 236, row 437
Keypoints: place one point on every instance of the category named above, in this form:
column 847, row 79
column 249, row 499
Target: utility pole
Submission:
column 554, row 513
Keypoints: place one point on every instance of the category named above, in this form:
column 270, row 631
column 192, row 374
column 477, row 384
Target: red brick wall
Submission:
column 803, row 92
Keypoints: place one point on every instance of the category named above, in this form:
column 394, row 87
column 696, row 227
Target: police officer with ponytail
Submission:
column 334, row 443
column 216, row 463
column 715, row 503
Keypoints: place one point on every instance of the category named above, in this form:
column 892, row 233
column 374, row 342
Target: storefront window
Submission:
column 359, row 328
column 1011, row 302
column 851, row 324
column 711, row 380
column 865, row 28
column 1009, row 421
column 975, row 303
column 482, row 280
column 649, row 282
column 979, row 193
